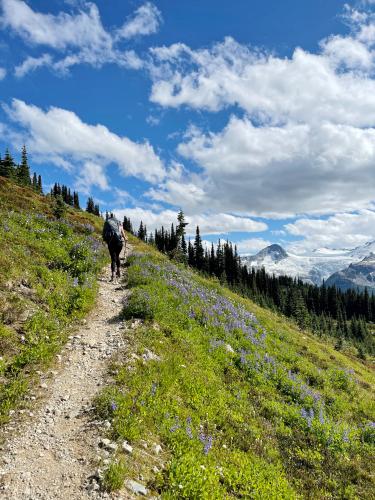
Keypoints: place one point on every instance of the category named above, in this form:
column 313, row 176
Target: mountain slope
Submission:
column 358, row 275
column 309, row 268
column 47, row 280
column 242, row 403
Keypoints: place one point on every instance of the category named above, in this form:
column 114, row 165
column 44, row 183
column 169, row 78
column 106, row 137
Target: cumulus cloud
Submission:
column 304, row 140
column 251, row 246
column 305, row 88
column 3, row 73
column 342, row 230
column 31, row 64
column 80, row 36
column 145, row 21
column 209, row 223
column 63, row 138
column 297, row 168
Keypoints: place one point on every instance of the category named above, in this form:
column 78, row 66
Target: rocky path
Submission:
column 54, row 453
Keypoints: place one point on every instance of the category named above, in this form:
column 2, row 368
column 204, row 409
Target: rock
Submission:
column 137, row 488
column 150, row 356
column 127, row 448
column 44, row 385
column 104, row 442
column 229, row 348
column 158, row 449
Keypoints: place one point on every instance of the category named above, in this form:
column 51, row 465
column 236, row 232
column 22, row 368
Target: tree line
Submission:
column 326, row 310
column 20, row 174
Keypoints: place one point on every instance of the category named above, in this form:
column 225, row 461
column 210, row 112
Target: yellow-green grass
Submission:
column 239, row 415
column 48, row 271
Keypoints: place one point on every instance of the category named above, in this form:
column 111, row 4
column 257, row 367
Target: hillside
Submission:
column 210, row 395
column 48, row 271
column 242, row 403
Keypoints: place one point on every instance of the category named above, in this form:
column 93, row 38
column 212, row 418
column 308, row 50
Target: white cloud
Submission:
column 251, row 246
column 31, row 64
column 59, row 31
column 145, row 21
column 62, row 137
column 305, row 88
column 91, row 174
column 297, row 168
column 342, row 230
column 79, row 36
column 305, row 141
column 209, row 223
column 3, row 73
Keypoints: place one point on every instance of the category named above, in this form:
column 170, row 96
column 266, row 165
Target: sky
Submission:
column 255, row 117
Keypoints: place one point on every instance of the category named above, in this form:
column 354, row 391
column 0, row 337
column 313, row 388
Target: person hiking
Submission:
column 114, row 236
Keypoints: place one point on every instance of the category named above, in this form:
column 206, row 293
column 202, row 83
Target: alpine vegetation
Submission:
column 240, row 402
column 50, row 256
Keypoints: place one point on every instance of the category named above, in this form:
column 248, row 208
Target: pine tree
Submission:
column 198, row 250
column 7, row 166
column 23, row 171
column 76, row 200
column 35, row 182
column 141, row 232
column 90, row 208
column 40, row 187
column 96, row 210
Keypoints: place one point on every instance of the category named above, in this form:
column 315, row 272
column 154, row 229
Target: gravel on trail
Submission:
column 54, row 452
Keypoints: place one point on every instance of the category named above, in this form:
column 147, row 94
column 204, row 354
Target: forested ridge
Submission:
column 347, row 316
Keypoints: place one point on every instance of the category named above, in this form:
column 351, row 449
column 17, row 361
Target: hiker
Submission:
column 114, row 236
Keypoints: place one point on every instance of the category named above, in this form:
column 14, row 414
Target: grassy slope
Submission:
column 47, row 271
column 243, row 407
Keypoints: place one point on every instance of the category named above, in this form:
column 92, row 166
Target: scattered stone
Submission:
column 150, row 356
column 127, row 448
column 158, row 449
column 229, row 348
column 137, row 488
column 44, row 385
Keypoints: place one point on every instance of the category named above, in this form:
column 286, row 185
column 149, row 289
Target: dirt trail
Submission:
column 55, row 454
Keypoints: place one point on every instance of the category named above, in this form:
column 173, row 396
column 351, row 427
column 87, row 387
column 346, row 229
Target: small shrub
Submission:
column 139, row 305
column 114, row 475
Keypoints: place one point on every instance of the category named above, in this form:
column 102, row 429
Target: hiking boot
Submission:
column 112, row 277
column 118, row 274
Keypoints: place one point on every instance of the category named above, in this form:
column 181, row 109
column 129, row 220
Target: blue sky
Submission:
column 255, row 117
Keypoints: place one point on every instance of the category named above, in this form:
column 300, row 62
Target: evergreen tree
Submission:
column 90, row 208
column 40, row 187
column 35, row 183
column 141, row 232
column 198, row 250
column 7, row 166
column 23, row 171
column 76, row 200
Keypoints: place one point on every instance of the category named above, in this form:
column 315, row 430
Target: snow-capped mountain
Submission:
column 314, row 268
column 357, row 275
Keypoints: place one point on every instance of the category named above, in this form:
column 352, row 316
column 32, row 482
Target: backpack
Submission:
column 111, row 232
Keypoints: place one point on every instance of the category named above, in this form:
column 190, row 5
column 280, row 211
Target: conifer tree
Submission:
column 198, row 250
column 7, row 166
column 90, row 208
column 40, row 187
column 141, row 232
column 23, row 171
column 35, row 182
column 76, row 200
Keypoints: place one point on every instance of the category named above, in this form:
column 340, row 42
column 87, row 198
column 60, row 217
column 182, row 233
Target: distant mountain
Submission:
column 357, row 275
column 314, row 268
column 275, row 253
